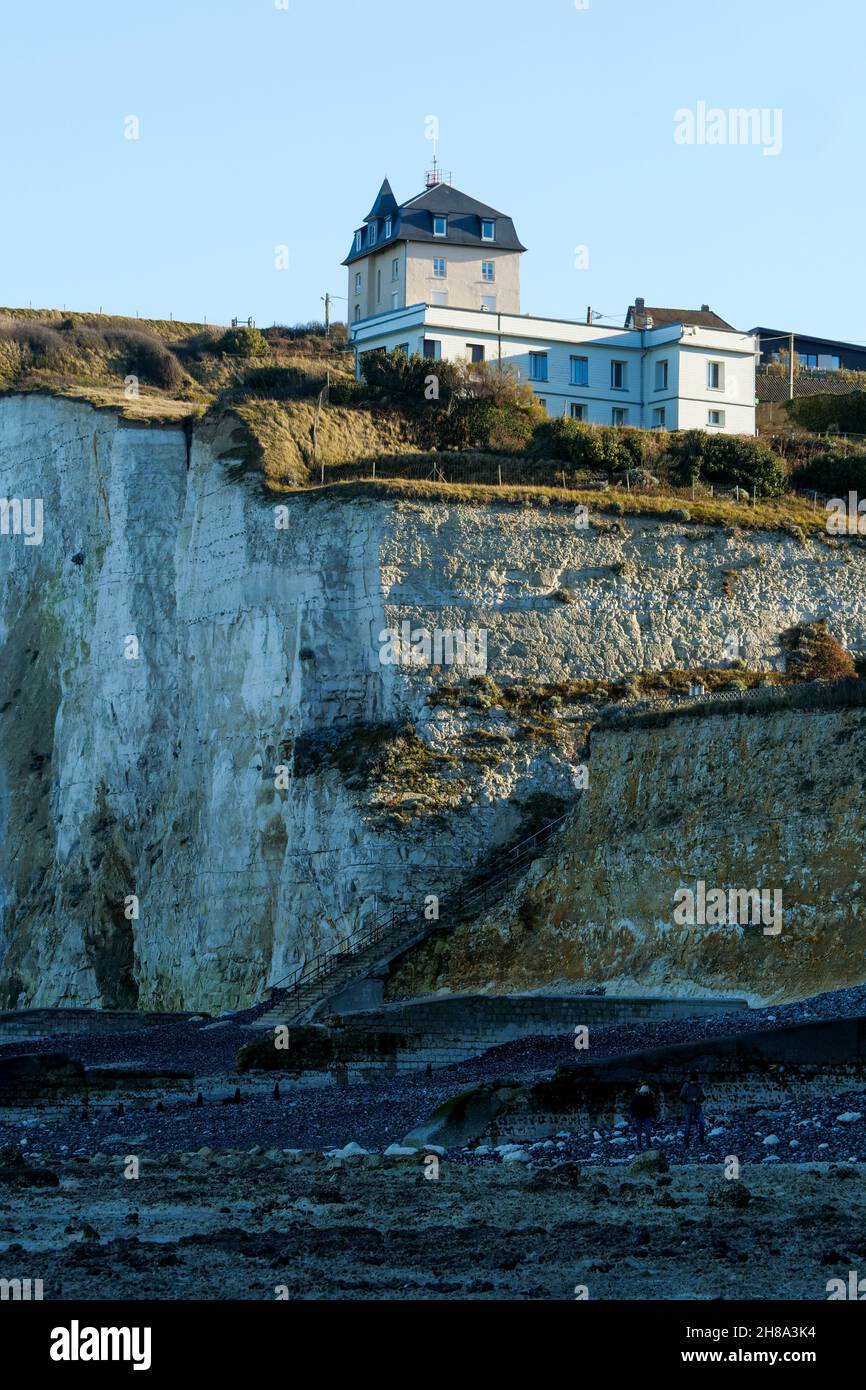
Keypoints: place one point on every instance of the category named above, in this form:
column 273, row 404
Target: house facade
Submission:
column 441, row 248
column 815, row 354
column 440, row 276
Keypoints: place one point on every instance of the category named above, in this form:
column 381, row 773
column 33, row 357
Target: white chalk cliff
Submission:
column 153, row 771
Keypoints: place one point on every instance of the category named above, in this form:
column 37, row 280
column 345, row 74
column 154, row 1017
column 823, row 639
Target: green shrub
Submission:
column 597, row 446
column 820, row 413
column 729, row 460
column 147, row 357
column 570, row 441
column 242, row 342
column 45, row 348
column 282, row 383
column 459, row 406
column 833, row 473
column 815, row 654
column 347, row 391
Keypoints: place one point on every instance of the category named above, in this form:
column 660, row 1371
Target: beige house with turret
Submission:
column 441, row 248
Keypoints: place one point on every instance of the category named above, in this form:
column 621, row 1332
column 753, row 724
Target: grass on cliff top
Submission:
column 150, row 407
column 793, row 514
column 181, row 368
column 170, row 329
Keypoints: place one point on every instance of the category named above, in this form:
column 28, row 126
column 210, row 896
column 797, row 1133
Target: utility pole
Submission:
column 327, row 299
column 791, row 370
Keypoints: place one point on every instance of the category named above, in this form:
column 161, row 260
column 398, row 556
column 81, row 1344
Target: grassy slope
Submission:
column 277, row 436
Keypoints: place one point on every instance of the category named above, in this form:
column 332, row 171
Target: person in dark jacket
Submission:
column 643, row 1112
column 692, row 1097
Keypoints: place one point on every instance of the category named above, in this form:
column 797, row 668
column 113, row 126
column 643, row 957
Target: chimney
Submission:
column 705, row 309
column 639, row 306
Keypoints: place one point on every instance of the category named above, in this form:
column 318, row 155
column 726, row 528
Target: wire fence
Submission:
column 849, row 693
column 474, row 468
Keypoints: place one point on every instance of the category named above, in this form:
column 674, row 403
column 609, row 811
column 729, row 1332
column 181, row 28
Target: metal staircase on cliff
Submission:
column 334, row 970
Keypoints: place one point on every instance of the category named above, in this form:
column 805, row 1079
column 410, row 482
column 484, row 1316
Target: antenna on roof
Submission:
column 435, row 176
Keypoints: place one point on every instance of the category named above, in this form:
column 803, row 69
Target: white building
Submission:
column 454, row 293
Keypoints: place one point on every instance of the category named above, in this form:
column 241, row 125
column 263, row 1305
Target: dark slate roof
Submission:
column 385, row 204
column 413, row 221
column 662, row 318
column 808, row 338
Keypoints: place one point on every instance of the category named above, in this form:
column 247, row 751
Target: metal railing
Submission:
column 475, row 897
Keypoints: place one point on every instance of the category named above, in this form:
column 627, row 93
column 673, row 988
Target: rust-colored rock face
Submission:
column 773, row 802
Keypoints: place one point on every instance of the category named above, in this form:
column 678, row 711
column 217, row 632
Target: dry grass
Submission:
column 288, row 448
column 150, row 407
column 793, row 514
column 170, row 330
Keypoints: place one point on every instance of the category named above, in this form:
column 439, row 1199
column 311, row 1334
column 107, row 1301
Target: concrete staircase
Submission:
column 340, row 974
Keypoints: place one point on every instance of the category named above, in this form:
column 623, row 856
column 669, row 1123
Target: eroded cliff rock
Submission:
column 168, row 648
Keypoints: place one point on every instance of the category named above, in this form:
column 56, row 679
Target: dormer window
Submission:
column 372, row 233
column 359, row 240
column 389, row 227
column 440, row 226
column 488, row 230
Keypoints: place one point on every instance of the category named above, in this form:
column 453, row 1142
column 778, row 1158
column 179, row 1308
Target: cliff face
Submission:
column 775, row 802
column 168, row 648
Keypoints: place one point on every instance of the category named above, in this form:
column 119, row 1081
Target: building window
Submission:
column 379, row 286
column 808, row 359
column 395, row 299
column 618, row 376
column 542, row 402
column 432, row 348
column 619, row 415
column 488, row 303
column 357, row 282
column 576, row 411
column 488, row 231
column 439, row 267
column 388, row 227
column 659, row 418
column 716, row 376
column 359, row 240
column 357, row 312
column 488, row 271
column 440, row 226
column 834, row 364
column 580, row 371
column 476, row 352
column 538, row 366
column 440, row 298
column 716, row 417
column 661, row 376
column 372, row 233
column 395, row 269
column 404, row 348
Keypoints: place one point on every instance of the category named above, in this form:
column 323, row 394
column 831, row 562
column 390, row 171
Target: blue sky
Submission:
column 262, row 126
